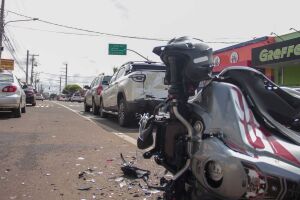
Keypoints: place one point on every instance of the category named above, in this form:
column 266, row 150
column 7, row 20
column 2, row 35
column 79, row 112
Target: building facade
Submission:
column 277, row 57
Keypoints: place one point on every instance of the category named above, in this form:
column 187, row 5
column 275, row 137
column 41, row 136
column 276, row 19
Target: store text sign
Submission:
column 277, row 52
column 7, row 64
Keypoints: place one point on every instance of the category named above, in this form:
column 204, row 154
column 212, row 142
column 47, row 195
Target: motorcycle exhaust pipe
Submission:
column 190, row 134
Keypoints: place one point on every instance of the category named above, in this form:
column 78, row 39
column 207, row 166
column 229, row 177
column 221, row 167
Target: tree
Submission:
column 72, row 88
column 115, row 69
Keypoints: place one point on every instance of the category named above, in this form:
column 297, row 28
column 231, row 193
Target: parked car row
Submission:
column 76, row 97
column 136, row 88
column 12, row 96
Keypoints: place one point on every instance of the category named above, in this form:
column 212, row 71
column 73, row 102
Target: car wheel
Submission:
column 101, row 112
column 86, row 107
column 95, row 108
column 123, row 114
column 23, row 110
column 17, row 112
column 33, row 104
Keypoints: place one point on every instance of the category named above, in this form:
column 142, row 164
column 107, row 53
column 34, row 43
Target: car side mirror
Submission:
column 105, row 83
column 87, row 87
column 24, row 87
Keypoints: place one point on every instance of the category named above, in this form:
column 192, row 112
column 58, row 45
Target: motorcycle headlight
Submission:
column 214, row 173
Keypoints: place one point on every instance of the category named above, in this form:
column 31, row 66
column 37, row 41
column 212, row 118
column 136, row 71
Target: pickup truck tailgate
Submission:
column 154, row 85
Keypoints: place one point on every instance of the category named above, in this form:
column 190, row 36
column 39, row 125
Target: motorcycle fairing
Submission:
column 267, row 100
column 223, row 108
column 245, row 149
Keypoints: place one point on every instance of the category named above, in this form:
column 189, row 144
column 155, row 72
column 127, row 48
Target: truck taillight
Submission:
column 99, row 89
column 10, row 88
column 138, row 77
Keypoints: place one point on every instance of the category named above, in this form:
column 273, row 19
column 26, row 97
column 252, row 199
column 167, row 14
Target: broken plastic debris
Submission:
column 48, row 174
column 90, row 170
column 85, row 187
column 122, row 184
column 133, row 172
column 81, row 175
column 151, row 191
column 91, row 180
column 77, row 164
column 80, row 158
column 119, row 179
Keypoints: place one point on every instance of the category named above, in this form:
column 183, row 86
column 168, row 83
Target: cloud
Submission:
column 121, row 8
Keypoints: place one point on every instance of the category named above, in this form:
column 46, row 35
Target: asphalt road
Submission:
column 110, row 123
column 55, row 151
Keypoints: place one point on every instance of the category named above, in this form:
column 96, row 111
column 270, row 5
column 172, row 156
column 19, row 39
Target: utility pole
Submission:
column 1, row 28
column 27, row 63
column 60, row 84
column 66, row 74
column 32, row 65
column 36, row 80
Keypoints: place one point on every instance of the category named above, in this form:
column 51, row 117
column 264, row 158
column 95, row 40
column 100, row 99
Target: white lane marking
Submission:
column 119, row 134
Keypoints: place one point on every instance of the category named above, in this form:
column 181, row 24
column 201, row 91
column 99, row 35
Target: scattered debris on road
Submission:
column 132, row 171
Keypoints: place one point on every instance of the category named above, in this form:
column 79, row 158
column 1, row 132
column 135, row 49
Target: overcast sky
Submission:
column 211, row 20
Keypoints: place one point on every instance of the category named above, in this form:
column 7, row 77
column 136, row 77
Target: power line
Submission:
column 89, row 31
column 75, row 76
column 110, row 34
column 12, row 51
column 50, row 31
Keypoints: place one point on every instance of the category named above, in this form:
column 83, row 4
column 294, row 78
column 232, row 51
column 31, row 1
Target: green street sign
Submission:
column 117, row 49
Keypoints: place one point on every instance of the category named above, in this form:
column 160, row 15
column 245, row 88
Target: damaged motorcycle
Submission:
column 238, row 138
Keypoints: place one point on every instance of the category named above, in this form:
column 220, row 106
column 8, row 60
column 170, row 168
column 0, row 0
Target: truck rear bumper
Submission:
column 143, row 105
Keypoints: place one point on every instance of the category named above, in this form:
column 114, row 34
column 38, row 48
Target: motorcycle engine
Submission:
column 170, row 144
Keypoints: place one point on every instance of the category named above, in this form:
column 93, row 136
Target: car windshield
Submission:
column 6, row 78
column 106, row 78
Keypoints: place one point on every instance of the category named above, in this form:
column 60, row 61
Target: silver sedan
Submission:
column 12, row 96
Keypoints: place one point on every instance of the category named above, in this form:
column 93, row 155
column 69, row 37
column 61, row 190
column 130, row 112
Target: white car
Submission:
column 39, row 97
column 77, row 97
column 12, row 96
column 136, row 88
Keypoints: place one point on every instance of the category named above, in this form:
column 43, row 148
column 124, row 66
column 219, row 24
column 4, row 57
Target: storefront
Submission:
column 280, row 60
column 238, row 55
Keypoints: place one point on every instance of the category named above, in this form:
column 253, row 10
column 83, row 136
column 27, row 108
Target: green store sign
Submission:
column 277, row 52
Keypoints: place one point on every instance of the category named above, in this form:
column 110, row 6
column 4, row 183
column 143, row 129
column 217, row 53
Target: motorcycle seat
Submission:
column 267, row 100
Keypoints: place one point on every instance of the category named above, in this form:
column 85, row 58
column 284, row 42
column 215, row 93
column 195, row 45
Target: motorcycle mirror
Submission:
column 158, row 50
